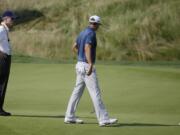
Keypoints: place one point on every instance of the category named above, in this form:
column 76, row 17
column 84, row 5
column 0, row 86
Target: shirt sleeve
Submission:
column 1, row 35
column 90, row 39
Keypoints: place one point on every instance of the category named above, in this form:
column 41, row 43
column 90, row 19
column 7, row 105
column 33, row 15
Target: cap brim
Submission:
column 14, row 17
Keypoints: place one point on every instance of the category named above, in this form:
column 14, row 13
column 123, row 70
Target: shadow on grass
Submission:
column 26, row 15
column 121, row 125
column 118, row 125
column 37, row 116
column 140, row 125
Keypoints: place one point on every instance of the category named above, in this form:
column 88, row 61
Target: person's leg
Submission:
column 2, row 62
column 94, row 91
column 75, row 97
column 5, row 64
column 4, row 77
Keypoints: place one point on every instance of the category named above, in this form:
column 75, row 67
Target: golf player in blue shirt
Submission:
column 85, row 47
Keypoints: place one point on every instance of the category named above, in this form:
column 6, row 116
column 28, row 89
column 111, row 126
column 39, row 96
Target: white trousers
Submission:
column 91, row 82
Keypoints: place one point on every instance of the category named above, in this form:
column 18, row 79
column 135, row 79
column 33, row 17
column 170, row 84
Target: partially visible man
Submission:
column 5, row 56
column 85, row 46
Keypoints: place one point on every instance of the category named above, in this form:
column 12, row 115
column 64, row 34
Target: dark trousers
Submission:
column 5, row 64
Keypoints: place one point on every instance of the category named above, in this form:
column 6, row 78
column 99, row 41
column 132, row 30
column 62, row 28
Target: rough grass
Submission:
column 132, row 29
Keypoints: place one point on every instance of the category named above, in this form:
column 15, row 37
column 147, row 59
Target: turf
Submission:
column 145, row 99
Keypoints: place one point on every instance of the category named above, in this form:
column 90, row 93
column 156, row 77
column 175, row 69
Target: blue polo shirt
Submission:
column 87, row 36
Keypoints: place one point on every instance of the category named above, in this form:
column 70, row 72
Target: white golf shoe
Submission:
column 109, row 122
column 73, row 121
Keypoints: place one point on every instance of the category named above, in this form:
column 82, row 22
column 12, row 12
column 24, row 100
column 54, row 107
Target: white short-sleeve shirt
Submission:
column 5, row 46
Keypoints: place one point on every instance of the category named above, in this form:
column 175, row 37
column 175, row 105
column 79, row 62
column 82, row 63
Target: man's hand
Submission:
column 90, row 70
column 2, row 55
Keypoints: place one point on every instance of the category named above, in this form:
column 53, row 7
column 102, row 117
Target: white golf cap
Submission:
column 95, row 19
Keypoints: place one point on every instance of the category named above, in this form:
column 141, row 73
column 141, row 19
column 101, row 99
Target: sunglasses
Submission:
column 96, row 24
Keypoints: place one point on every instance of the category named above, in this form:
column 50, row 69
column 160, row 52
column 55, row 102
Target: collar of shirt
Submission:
column 5, row 26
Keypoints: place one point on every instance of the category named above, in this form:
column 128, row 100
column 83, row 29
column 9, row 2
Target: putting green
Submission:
column 145, row 99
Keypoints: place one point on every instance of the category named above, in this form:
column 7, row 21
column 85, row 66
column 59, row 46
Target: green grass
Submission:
column 145, row 99
column 136, row 30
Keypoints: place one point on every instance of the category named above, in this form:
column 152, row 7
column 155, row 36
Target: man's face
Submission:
column 9, row 22
column 96, row 26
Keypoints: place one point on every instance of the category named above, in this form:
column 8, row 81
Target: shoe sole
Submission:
column 108, row 124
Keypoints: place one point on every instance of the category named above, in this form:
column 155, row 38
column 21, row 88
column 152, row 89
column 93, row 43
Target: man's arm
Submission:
column 1, row 35
column 88, row 57
column 75, row 48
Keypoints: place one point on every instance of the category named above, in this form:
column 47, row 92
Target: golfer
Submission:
column 85, row 46
column 5, row 56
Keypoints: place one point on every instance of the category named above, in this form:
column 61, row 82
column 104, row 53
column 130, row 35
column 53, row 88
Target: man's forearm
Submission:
column 88, row 54
column 88, row 58
column 75, row 48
